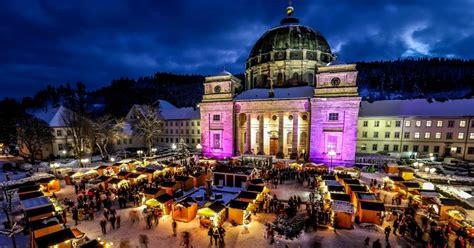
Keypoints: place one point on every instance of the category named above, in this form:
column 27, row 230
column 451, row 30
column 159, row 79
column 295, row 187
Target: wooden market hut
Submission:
column 116, row 183
column 134, row 178
column 60, row 239
column 185, row 210
column 239, row 212
column 446, row 205
column 28, row 189
column 347, row 182
column 371, row 212
column 356, row 188
column 39, row 213
column 166, row 202
column 363, row 196
column 185, row 183
column 256, row 182
column 410, row 187
column 151, row 174
column 118, row 167
column 255, row 189
column 340, row 197
column 328, row 177
column 49, row 186
column 30, row 195
column 247, row 196
column 406, row 173
column 140, row 170
column 41, row 227
column 394, row 182
column 123, row 174
column 391, row 168
column 342, row 214
column 336, row 188
column 340, row 177
column 199, row 179
column 101, row 169
column 212, row 214
column 169, row 187
column 151, row 193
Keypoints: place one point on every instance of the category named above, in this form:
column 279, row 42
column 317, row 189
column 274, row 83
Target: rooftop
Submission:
column 170, row 112
column 279, row 93
column 374, row 206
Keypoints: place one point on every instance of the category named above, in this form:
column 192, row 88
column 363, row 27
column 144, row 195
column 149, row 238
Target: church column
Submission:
column 248, row 136
column 281, row 119
column 238, row 131
column 294, row 143
column 261, row 118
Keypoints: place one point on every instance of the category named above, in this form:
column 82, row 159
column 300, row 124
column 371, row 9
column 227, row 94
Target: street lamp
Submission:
column 173, row 146
column 153, row 150
column 112, row 159
column 416, row 164
column 331, row 154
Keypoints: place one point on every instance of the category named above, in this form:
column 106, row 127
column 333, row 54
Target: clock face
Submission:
column 217, row 89
column 335, row 82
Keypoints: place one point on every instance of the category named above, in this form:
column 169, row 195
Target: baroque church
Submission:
column 296, row 102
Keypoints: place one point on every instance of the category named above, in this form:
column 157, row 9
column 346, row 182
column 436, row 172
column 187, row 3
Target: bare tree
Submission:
column 104, row 130
column 148, row 123
column 79, row 131
column 33, row 134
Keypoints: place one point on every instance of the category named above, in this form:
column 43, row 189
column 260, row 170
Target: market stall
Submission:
column 166, row 202
column 123, row 174
column 28, row 189
column 135, row 178
column 40, row 213
column 199, row 179
column 341, row 176
column 169, row 187
column 151, row 193
column 116, row 183
column 239, row 212
column 185, row 210
column 362, row 196
column 120, row 167
column 406, row 173
column 340, row 197
column 151, row 174
column 212, row 214
column 457, row 219
column 353, row 189
column 342, row 214
column 247, row 196
column 105, row 170
column 391, row 168
column 59, row 239
column 446, row 205
column 184, row 182
column 371, row 212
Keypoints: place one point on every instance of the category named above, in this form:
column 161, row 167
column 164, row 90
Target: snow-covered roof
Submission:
column 342, row 206
column 170, row 112
column 417, row 107
column 279, row 93
column 52, row 116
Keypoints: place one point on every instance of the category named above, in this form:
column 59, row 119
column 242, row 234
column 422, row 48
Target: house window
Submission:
column 406, row 135
column 192, row 141
column 59, row 133
column 388, row 123
column 198, row 123
column 428, row 123
column 436, row 149
column 162, row 140
column 462, row 124
column 387, row 135
column 303, row 138
column 363, row 147
column 396, row 135
column 415, row 148
column 439, row 124
column 289, row 138
column 181, row 131
column 171, row 123
column 407, row 123
column 418, row 123
column 118, row 142
column 124, row 141
column 130, row 141
column 471, row 136
column 437, row 135
column 167, row 140
column 458, row 149
column 192, row 123
column 176, row 140
column 216, row 118
column 405, row 148
column 398, row 123
column 364, row 134
column 187, row 131
column 187, row 140
column 376, row 123
column 395, row 148
column 333, row 116
column 376, row 134
column 182, row 123
column 199, row 141
column 461, row 136
column 365, row 123
column 385, row 148
column 426, row 148
column 60, row 147
column 374, row 147
column 68, row 133
column 192, row 131
column 198, row 131
column 470, row 150
column 449, row 135
column 176, row 124
column 166, row 131
column 427, row 135
column 187, row 123
column 450, row 123
column 417, row 135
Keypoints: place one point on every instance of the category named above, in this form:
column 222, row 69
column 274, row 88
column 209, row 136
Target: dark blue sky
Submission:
column 54, row 42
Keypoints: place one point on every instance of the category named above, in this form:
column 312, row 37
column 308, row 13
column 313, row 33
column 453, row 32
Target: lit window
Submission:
column 437, row 135
column 333, row 116
column 471, row 136
column 363, row 147
column 428, row 123
column 418, row 123
column 388, row 123
column 217, row 140
column 439, row 123
column 407, row 123
column 462, row 124
column 417, row 135
column 427, row 135
column 460, row 136
column 376, row 123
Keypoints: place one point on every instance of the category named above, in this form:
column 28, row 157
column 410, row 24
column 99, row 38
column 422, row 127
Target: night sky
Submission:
column 55, row 42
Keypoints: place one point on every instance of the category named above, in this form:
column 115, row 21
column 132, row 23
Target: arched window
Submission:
column 265, row 80
column 289, row 138
column 254, row 83
column 310, row 79
column 295, row 75
column 295, row 79
column 303, row 139
column 280, row 79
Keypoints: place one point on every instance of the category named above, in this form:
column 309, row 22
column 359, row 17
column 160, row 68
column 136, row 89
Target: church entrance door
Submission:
column 273, row 146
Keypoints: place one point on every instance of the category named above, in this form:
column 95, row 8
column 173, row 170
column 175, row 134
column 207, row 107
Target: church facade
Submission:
column 295, row 102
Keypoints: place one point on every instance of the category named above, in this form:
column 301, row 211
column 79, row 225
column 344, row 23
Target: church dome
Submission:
column 290, row 35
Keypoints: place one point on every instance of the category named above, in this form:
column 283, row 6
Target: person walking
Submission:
column 112, row 221
column 118, row 221
column 388, row 230
column 395, row 227
column 210, row 233
column 174, row 225
column 376, row 244
column 103, row 223
column 75, row 215
column 215, row 234
column 143, row 239
column 221, row 234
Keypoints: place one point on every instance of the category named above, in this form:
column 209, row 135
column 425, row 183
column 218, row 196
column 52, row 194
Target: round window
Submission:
column 217, row 89
column 274, row 117
column 335, row 81
column 290, row 117
column 304, row 117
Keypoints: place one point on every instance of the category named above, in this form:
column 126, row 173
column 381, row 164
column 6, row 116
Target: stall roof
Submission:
column 340, row 176
column 342, row 206
column 405, row 169
column 255, row 188
column 256, row 181
column 28, row 188
column 39, row 211
column 374, row 206
column 182, row 178
column 396, row 178
column 123, row 173
column 102, row 167
column 238, row 204
column 37, row 202
column 134, row 175
column 33, row 194
column 411, row 184
column 114, row 180
column 358, row 188
column 187, row 202
column 247, row 195
column 46, row 222
column 429, row 193
column 328, row 177
column 366, row 196
column 450, row 202
column 151, row 191
column 168, row 184
column 352, row 181
column 103, row 178
column 340, row 197
column 332, row 183
column 92, row 244
column 54, row 238
column 150, row 171
column 164, row 198
column 216, row 206
column 339, row 188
